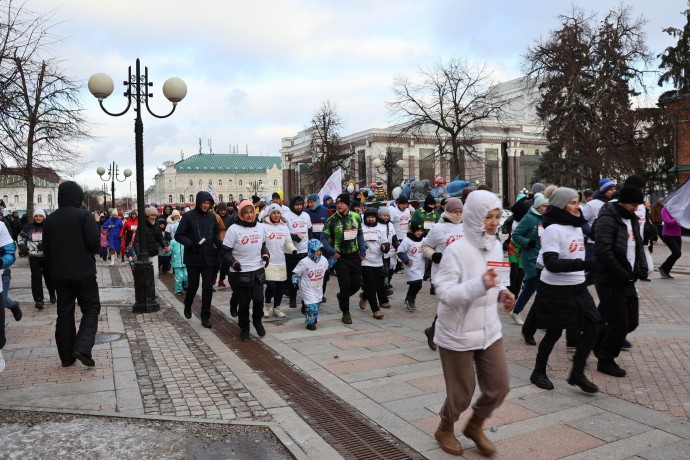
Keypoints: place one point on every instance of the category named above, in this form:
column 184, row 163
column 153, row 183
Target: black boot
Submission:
column 539, row 377
column 293, row 301
column 579, row 379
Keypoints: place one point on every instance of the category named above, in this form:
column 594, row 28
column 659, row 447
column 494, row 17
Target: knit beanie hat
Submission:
column 256, row 199
column 414, row 226
column 635, row 180
column 384, row 210
column 221, row 207
column 273, row 207
column 540, row 200
column 606, row 184
column 39, row 212
column 562, row 196
column 430, row 201
column 452, row 204
column 313, row 197
column 343, row 198
column 538, row 187
column 630, row 194
column 151, row 211
column 402, row 200
column 175, row 213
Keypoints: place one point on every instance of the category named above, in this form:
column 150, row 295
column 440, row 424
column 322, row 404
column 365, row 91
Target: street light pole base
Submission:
column 144, row 286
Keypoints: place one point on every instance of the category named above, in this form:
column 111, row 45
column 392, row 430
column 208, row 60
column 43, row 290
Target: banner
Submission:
column 210, row 190
column 332, row 187
column 677, row 205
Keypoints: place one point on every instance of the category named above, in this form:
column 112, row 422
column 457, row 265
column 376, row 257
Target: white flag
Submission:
column 210, row 190
column 333, row 186
column 677, row 204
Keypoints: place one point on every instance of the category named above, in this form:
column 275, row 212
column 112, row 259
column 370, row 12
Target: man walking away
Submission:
column 70, row 240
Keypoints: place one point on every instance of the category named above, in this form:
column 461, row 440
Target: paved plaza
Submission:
column 158, row 374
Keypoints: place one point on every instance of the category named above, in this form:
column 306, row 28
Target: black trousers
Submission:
column 246, row 295
column 291, row 262
column 348, row 268
column 413, row 289
column 274, row 290
column 620, row 308
column 40, row 268
column 3, row 339
column 584, row 346
column 374, row 287
column 67, row 339
column 673, row 243
column 206, row 275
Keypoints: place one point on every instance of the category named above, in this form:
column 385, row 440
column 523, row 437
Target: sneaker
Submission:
column 323, row 300
column 267, row 312
column 206, row 323
column 260, row 329
column 17, row 313
column 429, row 333
column 389, row 292
column 346, row 319
column 233, row 309
column 68, row 363
column 39, row 305
column 362, row 301
column 529, row 339
column 609, row 367
column 517, row 318
column 665, row 275
column 378, row 314
column 541, row 380
column 385, row 305
column 188, row 312
column 2, row 362
column 278, row 313
column 410, row 304
column 244, row 334
column 311, row 327
column 626, row 344
column 221, row 283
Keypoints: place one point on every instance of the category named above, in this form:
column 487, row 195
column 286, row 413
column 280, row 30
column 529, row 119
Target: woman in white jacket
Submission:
column 468, row 328
column 278, row 243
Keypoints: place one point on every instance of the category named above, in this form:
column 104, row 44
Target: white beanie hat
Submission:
column 39, row 212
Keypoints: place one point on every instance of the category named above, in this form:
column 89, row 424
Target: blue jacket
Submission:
column 194, row 226
column 114, row 226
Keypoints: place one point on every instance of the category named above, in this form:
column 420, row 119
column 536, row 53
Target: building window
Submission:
column 361, row 165
column 16, row 199
column 191, row 183
column 220, row 182
column 275, row 182
column 210, row 183
column 426, row 165
column 170, row 199
column 39, row 199
column 5, row 199
column 220, row 197
column 191, row 198
column 181, row 199
column 231, row 197
column 200, row 183
column 50, row 198
column 240, row 182
column 260, row 182
column 241, row 197
column 230, row 182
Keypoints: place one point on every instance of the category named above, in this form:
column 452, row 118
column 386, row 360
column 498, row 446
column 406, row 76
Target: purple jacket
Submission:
column 671, row 227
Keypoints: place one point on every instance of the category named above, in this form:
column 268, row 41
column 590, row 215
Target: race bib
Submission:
column 540, row 230
column 350, row 234
column 502, row 270
column 317, row 228
column 134, row 228
column 37, row 236
column 371, row 236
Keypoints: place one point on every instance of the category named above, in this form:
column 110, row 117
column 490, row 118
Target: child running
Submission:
column 410, row 254
column 308, row 276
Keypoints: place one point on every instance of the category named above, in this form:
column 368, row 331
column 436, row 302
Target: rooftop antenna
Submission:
column 182, row 154
column 199, row 145
column 210, row 148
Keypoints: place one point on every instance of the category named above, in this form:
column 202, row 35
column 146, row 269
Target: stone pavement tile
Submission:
column 388, row 371
column 397, row 378
column 368, row 340
column 320, row 332
column 547, row 402
column 674, row 451
column 386, row 392
column 368, row 364
column 423, row 401
column 610, row 427
column 431, row 384
column 627, row 447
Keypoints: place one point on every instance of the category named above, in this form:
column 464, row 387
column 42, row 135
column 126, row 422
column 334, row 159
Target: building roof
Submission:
column 227, row 162
column 47, row 174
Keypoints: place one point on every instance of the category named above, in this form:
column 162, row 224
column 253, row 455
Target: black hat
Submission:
column 356, row 203
column 429, row 201
column 414, row 226
column 635, row 180
column 630, row 194
column 402, row 200
column 255, row 199
column 343, row 198
column 275, row 196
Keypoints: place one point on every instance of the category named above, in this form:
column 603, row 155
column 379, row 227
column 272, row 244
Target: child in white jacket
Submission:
column 410, row 254
column 308, row 276
column 468, row 329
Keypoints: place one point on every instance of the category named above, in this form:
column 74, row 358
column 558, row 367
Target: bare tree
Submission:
column 448, row 100
column 41, row 112
column 327, row 153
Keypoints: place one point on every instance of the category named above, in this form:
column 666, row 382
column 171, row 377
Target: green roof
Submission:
column 204, row 162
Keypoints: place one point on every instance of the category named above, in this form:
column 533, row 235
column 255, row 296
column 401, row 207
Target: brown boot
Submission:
column 474, row 431
column 446, row 437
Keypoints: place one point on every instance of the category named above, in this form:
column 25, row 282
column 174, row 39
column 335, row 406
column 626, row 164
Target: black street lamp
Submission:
column 105, row 201
column 390, row 167
column 255, row 187
column 174, row 89
column 113, row 174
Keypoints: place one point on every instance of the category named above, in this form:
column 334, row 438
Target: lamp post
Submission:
column 174, row 89
column 113, row 174
column 105, row 200
column 255, row 187
column 390, row 167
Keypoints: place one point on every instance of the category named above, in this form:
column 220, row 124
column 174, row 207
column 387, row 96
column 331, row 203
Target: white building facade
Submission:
column 13, row 190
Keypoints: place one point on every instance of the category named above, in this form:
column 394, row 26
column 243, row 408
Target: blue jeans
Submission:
column 529, row 286
column 6, row 278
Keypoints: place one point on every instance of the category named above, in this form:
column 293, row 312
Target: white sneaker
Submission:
column 267, row 312
column 517, row 318
column 2, row 362
column 278, row 313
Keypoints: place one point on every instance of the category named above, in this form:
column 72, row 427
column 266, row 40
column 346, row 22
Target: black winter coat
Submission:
column 154, row 238
column 194, row 226
column 611, row 247
column 71, row 236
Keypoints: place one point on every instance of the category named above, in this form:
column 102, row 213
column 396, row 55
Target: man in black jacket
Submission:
column 199, row 234
column 621, row 260
column 70, row 240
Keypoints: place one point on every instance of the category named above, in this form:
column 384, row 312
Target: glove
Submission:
column 591, row 266
column 236, row 266
column 265, row 258
column 295, row 238
column 294, row 253
column 436, row 258
column 532, row 244
column 295, row 282
column 23, row 250
column 195, row 246
column 39, row 247
column 385, row 248
column 409, row 263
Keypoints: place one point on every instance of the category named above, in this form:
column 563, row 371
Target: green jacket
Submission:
column 333, row 238
column 421, row 216
column 528, row 230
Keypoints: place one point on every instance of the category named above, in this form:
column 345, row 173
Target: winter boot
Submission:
column 475, row 432
column 278, row 313
column 446, row 437
column 429, row 332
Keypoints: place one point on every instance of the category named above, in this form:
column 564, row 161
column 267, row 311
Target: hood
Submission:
column 203, row 196
column 477, row 206
column 315, row 198
column 452, row 218
column 70, row 194
column 325, row 198
column 294, row 199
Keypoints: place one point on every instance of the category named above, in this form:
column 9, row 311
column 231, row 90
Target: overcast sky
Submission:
column 257, row 70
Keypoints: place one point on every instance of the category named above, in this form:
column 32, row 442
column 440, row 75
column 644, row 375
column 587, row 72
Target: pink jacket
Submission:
column 671, row 227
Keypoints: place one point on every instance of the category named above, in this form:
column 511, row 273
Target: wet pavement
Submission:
column 170, row 375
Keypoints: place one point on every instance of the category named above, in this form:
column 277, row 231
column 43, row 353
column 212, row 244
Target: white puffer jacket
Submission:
column 467, row 313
